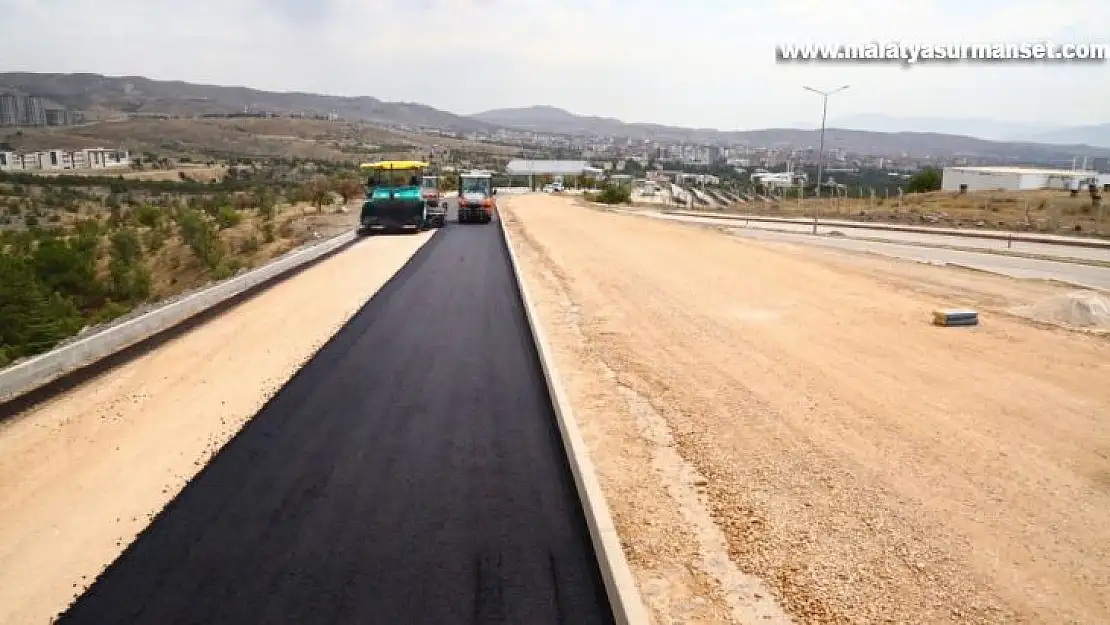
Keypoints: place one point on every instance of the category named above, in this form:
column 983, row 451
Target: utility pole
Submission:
column 821, row 150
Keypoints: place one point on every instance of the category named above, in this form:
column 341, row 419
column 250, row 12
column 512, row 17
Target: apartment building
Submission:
column 24, row 110
column 19, row 110
column 11, row 110
column 91, row 158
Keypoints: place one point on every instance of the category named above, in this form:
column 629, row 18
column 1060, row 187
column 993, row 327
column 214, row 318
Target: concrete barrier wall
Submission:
column 40, row 370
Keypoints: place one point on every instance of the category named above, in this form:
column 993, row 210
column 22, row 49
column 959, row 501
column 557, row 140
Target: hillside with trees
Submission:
column 78, row 251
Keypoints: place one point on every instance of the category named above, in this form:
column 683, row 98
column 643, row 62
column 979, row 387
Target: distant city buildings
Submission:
column 55, row 160
column 27, row 110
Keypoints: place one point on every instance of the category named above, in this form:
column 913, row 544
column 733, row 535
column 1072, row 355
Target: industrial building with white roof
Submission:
column 1018, row 178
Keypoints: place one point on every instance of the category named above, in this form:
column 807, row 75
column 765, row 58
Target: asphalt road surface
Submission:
column 412, row 472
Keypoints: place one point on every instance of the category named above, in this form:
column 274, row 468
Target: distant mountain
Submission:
column 1098, row 135
column 134, row 94
column 98, row 94
column 556, row 120
column 971, row 127
column 920, row 144
column 1030, row 132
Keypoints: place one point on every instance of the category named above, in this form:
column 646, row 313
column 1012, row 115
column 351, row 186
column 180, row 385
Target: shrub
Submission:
column 155, row 239
column 928, row 179
column 200, row 236
column 110, row 311
column 148, row 215
column 228, row 217
column 612, row 194
column 249, row 245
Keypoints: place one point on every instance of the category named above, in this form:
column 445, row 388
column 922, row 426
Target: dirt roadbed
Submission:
column 782, row 435
column 83, row 474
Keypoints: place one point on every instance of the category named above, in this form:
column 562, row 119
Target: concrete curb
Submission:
column 620, row 585
column 952, row 232
column 40, row 370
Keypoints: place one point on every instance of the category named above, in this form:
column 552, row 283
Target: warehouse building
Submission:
column 1014, row 179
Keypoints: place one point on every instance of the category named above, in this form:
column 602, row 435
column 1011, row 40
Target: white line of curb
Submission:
column 40, row 370
column 620, row 586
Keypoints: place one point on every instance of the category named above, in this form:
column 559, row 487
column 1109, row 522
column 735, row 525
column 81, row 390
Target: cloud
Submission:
column 700, row 63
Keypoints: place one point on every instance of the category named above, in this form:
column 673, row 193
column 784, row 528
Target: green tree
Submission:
column 200, row 236
column 228, row 217
column 928, row 179
column 33, row 318
column 266, row 202
column 68, row 267
column 148, row 215
column 126, row 246
column 130, row 278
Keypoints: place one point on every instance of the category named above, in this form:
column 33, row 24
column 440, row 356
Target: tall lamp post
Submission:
column 821, row 151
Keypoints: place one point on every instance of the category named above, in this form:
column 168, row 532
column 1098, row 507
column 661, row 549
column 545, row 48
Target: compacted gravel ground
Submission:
column 782, row 434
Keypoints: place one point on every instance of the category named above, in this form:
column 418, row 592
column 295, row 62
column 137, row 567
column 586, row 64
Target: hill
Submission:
column 981, row 128
column 555, row 120
column 1094, row 135
column 1097, row 135
column 106, row 97
column 103, row 95
column 206, row 139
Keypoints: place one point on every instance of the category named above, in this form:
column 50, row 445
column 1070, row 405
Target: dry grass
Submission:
column 1036, row 211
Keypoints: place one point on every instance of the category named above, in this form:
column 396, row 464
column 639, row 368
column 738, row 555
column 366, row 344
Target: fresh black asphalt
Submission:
column 411, row 473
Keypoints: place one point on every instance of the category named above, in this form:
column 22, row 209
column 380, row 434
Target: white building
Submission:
column 780, row 180
column 1013, row 178
column 54, row 160
column 685, row 178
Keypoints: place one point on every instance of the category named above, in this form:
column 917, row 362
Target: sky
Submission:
column 699, row 63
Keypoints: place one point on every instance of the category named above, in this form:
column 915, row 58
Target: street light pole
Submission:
column 821, row 150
